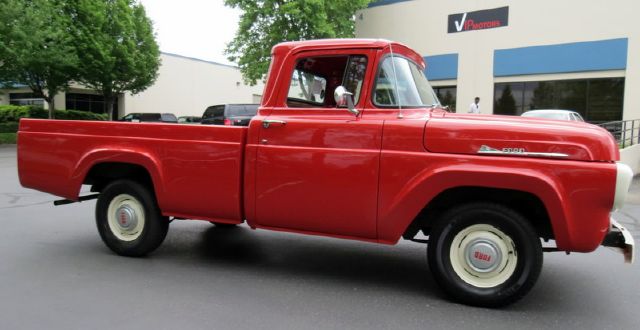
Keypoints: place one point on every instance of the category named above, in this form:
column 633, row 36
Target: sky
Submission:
column 193, row 28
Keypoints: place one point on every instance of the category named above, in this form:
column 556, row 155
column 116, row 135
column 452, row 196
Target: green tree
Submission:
column 264, row 23
column 36, row 48
column 116, row 46
column 448, row 99
column 506, row 104
column 543, row 96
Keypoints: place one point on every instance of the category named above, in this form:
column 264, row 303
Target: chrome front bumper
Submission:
column 621, row 240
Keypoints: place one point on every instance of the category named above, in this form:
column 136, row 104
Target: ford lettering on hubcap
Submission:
column 483, row 255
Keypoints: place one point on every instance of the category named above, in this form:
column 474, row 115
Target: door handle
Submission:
column 267, row 122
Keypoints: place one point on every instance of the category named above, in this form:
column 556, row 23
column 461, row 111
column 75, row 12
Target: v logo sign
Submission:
column 461, row 24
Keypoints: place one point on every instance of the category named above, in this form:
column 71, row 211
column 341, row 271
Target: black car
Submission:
column 229, row 114
column 150, row 117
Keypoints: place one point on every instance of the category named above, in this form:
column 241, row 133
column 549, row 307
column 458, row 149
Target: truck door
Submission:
column 317, row 164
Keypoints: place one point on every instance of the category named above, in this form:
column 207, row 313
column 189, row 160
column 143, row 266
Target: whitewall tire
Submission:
column 484, row 254
column 129, row 220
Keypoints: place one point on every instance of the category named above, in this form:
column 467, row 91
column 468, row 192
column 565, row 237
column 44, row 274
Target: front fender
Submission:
column 402, row 200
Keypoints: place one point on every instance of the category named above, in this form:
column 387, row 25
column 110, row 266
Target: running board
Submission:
column 80, row 199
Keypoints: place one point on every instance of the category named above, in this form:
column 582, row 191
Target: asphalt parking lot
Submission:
column 55, row 273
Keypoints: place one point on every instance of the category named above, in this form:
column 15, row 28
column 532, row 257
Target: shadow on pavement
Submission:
column 319, row 259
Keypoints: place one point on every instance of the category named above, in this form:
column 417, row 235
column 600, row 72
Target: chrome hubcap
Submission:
column 126, row 216
column 483, row 255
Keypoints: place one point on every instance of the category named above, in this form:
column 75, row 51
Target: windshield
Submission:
column 411, row 85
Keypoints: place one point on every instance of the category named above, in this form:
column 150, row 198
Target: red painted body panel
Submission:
column 327, row 172
column 319, row 173
column 580, row 141
column 197, row 170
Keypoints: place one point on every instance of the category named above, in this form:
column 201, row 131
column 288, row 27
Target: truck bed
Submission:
column 184, row 161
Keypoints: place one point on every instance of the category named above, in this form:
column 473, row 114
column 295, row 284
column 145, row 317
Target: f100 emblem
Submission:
column 514, row 150
column 485, row 149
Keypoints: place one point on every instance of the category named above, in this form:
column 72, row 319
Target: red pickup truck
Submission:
column 350, row 141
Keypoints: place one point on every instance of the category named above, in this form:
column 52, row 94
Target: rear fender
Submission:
column 127, row 156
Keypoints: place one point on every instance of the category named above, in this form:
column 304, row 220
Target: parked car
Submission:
column 554, row 114
column 150, row 117
column 229, row 114
column 189, row 120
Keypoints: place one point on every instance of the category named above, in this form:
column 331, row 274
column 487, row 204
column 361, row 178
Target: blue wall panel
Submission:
column 598, row 55
column 441, row 67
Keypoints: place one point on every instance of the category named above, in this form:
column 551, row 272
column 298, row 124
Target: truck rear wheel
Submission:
column 129, row 220
column 484, row 254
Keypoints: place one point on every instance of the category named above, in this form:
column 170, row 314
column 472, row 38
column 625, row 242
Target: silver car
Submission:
column 554, row 114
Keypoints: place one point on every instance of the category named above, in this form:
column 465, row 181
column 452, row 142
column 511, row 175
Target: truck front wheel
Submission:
column 129, row 220
column 484, row 254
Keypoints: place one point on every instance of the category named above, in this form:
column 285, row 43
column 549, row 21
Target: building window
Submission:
column 447, row 96
column 86, row 102
column 597, row 100
column 25, row 99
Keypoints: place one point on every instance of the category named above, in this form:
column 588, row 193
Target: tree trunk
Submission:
column 52, row 109
column 110, row 108
column 109, row 99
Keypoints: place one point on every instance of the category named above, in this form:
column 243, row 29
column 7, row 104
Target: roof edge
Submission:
column 198, row 60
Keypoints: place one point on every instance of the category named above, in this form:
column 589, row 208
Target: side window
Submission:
column 315, row 78
column 150, row 117
column 307, row 87
column 354, row 76
column 218, row 111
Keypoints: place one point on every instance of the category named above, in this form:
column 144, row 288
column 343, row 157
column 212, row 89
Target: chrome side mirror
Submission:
column 344, row 97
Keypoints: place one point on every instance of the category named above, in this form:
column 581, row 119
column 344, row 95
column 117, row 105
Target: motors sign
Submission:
column 478, row 20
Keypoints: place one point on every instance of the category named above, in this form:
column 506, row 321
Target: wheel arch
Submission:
column 525, row 203
column 100, row 167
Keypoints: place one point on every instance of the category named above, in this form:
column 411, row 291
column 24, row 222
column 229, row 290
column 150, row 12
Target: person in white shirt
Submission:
column 475, row 106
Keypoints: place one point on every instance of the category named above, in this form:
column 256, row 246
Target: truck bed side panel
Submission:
column 197, row 170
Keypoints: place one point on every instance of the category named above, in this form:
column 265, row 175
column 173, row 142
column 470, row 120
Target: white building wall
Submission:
column 422, row 25
column 187, row 86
